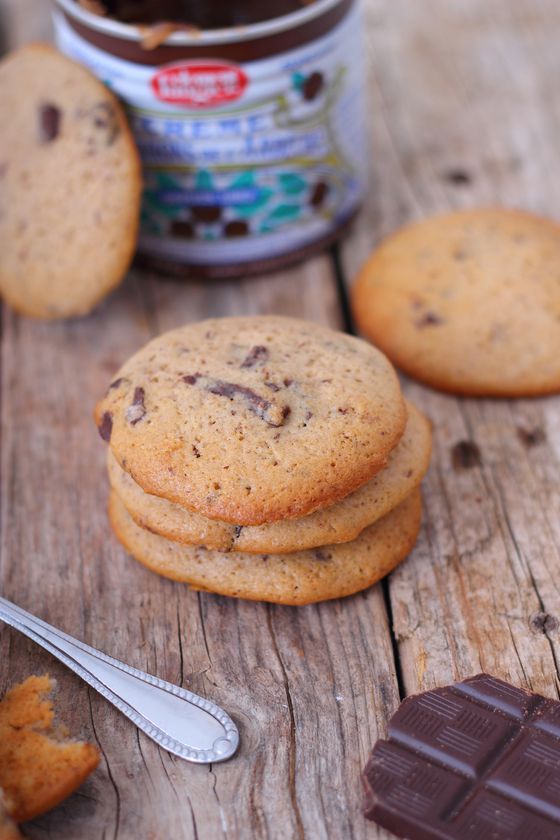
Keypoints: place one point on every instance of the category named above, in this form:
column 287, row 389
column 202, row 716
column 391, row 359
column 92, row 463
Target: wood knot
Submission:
column 543, row 622
column 531, row 437
column 458, row 177
column 465, row 455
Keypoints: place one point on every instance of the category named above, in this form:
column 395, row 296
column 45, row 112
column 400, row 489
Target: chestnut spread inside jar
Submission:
column 203, row 14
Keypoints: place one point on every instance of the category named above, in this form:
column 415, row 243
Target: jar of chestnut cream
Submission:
column 251, row 131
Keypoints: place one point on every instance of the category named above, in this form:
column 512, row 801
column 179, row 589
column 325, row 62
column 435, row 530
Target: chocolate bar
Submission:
column 477, row 760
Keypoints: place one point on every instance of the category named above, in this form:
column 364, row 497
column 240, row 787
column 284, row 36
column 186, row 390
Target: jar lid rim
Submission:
column 131, row 32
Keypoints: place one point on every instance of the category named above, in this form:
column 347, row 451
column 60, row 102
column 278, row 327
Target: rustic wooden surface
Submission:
column 465, row 110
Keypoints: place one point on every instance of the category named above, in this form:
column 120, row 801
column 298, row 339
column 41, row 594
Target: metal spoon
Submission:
column 178, row 720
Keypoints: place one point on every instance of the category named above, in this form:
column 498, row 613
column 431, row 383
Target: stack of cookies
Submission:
column 265, row 458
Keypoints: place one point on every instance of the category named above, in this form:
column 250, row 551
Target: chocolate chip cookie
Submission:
column 340, row 522
column 302, row 577
column 8, row 828
column 253, row 420
column 468, row 302
column 70, row 186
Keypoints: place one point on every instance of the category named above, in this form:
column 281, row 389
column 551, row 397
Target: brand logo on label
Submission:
column 199, row 85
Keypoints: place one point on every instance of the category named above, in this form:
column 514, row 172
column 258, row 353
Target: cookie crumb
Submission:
column 531, row 437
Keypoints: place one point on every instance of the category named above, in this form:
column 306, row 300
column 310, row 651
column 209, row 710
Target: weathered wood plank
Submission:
column 463, row 113
column 22, row 21
column 310, row 688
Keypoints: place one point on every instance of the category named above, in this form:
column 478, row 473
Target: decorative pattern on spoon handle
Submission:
column 90, row 664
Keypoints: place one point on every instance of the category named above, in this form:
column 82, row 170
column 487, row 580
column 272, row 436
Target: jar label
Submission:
column 199, row 85
column 243, row 161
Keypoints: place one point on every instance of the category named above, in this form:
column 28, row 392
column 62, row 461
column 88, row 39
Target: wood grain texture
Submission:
column 463, row 114
column 464, row 110
column 309, row 688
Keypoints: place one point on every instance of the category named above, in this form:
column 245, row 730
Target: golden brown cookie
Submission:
column 252, row 420
column 38, row 769
column 303, row 577
column 468, row 302
column 338, row 523
column 8, row 828
column 70, row 185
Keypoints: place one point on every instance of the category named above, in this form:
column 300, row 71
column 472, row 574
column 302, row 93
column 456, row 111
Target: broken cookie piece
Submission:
column 8, row 828
column 39, row 765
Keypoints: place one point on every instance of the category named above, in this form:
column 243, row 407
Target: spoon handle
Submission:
column 178, row 720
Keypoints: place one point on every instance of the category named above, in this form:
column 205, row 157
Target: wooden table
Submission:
column 465, row 110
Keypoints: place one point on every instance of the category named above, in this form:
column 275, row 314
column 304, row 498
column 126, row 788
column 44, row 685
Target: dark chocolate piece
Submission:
column 258, row 353
column 105, row 427
column 273, row 414
column 49, row 123
column 137, row 410
column 478, row 760
column 192, row 379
